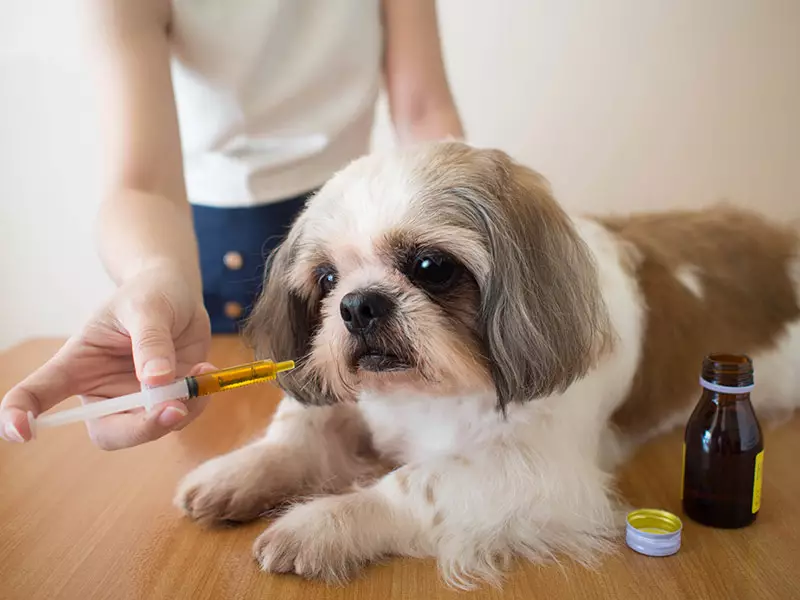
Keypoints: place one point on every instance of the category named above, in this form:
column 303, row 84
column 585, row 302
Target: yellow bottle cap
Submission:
column 653, row 532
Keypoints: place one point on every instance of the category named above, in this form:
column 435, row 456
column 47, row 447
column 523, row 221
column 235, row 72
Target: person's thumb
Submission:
column 152, row 345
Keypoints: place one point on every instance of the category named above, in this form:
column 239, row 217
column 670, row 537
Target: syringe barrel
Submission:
column 235, row 377
column 94, row 410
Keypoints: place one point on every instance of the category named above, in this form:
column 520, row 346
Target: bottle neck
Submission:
column 719, row 388
column 725, row 399
column 725, row 394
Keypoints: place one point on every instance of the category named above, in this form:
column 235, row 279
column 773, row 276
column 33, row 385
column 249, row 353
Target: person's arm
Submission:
column 154, row 326
column 145, row 220
column 144, row 223
column 420, row 101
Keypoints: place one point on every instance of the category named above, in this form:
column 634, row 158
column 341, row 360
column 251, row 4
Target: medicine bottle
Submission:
column 723, row 449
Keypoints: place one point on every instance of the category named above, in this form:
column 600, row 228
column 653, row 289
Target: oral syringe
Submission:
column 182, row 389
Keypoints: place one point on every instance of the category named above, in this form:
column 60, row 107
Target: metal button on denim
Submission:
column 233, row 260
column 233, row 310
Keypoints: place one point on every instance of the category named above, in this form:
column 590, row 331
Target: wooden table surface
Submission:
column 80, row 523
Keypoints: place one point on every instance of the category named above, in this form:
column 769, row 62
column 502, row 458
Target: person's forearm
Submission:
column 138, row 231
column 145, row 220
column 433, row 122
column 420, row 101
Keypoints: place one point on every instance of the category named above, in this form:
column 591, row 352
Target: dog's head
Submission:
column 440, row 267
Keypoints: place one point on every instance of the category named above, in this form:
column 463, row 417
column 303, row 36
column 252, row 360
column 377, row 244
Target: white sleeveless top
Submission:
column 273, row 96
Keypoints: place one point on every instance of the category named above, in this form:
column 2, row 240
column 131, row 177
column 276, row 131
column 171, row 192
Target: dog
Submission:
column 473, row 363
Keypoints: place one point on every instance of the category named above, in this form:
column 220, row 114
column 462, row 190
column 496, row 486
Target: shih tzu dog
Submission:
column 473, row 363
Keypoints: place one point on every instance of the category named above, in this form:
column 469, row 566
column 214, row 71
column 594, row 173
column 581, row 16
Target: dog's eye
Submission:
column 434, row 271
column 326, row 280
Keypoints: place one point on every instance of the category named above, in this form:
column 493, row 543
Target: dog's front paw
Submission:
column 236, row 487
column 318, row 540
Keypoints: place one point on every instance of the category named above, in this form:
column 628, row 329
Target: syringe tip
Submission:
column 286, row 365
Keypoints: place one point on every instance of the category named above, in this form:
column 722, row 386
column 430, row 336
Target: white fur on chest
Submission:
column 409, row 427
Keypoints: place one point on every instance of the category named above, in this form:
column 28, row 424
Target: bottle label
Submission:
column 683, row 469
column 757, row 477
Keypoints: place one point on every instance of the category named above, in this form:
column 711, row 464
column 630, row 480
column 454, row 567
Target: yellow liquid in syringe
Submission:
column 235, row 377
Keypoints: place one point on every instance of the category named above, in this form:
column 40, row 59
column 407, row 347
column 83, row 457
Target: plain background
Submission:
column 622, row 104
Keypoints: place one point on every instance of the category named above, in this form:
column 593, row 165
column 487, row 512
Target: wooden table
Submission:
column 80, row 523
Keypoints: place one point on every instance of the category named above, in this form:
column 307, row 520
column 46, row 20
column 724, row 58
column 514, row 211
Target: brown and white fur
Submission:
column 502, row 399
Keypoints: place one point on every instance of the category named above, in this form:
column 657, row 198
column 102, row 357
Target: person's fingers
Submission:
column 149, row 327
column 196, row 405
column 201, row 368
column 41, row 390
column 14, row 425
column 125, row 430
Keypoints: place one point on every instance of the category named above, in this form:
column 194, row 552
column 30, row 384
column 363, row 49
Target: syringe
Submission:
column 182, row 389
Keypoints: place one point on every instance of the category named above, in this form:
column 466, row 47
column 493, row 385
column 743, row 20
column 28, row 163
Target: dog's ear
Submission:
column 281, row 326
column 542, row 315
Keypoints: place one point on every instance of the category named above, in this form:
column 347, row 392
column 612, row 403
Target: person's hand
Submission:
column 153, row 330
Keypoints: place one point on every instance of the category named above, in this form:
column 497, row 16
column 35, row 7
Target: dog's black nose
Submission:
column 361, row 310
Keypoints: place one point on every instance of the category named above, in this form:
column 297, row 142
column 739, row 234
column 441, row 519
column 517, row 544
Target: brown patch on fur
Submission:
column 430, row 498
column 462, row 460
column 402, row 481
column 743, row 265
column 438, row 518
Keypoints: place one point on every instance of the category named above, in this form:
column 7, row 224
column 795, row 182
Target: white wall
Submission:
column 50, row 159
column 620, row 103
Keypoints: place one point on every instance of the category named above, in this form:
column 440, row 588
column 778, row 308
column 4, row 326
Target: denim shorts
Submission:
column 234, row 244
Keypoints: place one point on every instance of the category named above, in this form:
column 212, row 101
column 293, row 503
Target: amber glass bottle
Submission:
column 723, row 447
